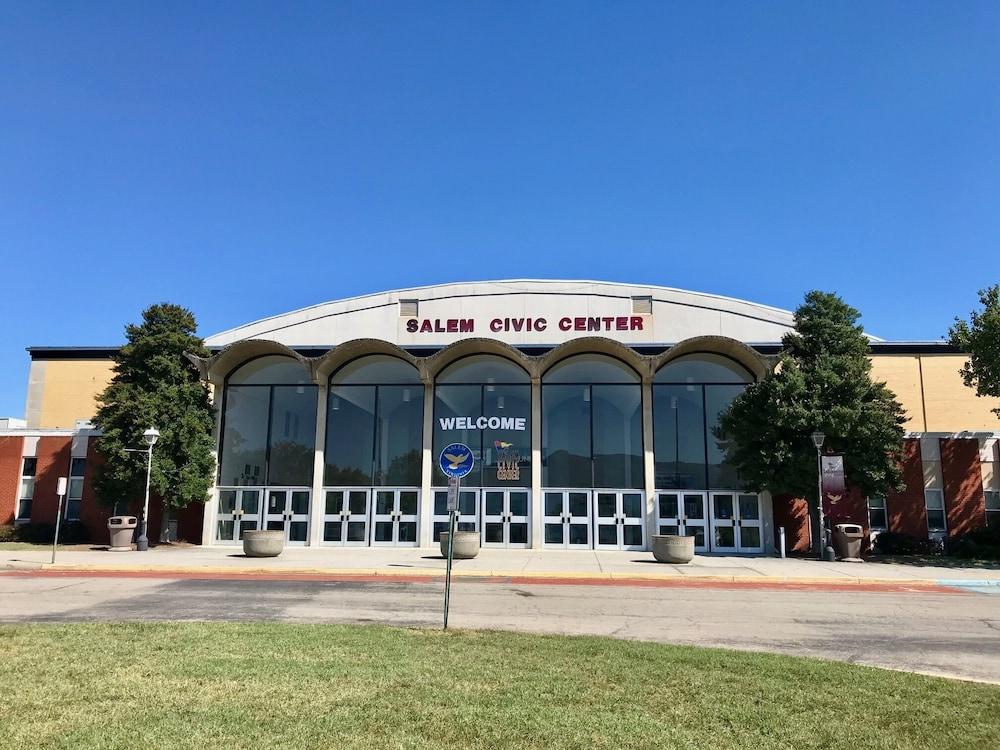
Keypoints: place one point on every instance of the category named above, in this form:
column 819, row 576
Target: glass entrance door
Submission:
column 683, row 514
column 468, row 512
column 619, row 520
column 238, row 511
column 505, row 518
column 345, row 519
column 736, row 523
column 288, row 510
column 394, row 520
column 566, row 519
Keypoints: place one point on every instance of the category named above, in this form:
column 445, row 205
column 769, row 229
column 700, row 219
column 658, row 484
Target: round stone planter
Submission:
column 466, row 544
column 263, row 543
column 670, row 548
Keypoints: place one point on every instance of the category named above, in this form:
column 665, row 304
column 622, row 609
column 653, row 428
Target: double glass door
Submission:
column 736, row 523
column 394, row 518
column 505, row 518
column 566, row 519
column 619, row 520
column 345, row 519
column 683, row 514
column 243, row 509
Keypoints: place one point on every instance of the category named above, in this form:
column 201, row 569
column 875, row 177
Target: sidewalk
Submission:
column 499, row 563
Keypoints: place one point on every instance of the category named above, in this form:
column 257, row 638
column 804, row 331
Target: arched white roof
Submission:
column 520, row 312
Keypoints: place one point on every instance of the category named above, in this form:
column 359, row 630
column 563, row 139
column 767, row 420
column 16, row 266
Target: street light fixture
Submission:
column 149, row 437
column 818, row 439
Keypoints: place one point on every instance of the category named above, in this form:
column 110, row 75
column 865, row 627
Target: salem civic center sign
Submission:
column 582, row 324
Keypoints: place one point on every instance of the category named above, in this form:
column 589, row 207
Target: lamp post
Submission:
column 818, row 439
column 150, row 437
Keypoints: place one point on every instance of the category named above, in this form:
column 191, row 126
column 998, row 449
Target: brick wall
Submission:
column 93, row 514
column 11, row 447
column 964, row 501
column 53, row 454
column 905, row 509
column 792, row 513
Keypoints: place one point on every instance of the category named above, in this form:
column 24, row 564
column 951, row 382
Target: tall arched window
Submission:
column 484, row 401
column 689, row 394
column 374, row 424
column 268, row 425
column 592, row 424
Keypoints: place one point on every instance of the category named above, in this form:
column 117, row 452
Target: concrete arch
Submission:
column 723, row 345
column 597, row 345
column 216, row 368
column 328, row 363
column 436, row 362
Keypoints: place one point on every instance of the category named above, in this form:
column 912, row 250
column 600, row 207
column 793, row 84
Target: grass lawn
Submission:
column 229, row 685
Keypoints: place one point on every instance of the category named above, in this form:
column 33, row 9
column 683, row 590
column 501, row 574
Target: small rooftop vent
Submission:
column 408, row 308
column 642, row 305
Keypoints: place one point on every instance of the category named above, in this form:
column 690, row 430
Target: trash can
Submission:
column 122, row 528
column 847, row 539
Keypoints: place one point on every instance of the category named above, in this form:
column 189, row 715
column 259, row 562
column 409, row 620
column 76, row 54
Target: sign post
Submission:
column 455, row 462
column 61, row 492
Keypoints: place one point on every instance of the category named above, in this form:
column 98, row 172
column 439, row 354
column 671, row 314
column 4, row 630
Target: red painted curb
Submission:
column 666, row 583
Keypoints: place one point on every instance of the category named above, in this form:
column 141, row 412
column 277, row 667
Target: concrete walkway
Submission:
column 491, row 563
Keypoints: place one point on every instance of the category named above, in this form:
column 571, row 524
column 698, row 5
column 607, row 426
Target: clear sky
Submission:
column 246, row 158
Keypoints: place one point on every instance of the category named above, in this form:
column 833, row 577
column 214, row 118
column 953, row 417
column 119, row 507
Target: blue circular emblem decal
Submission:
column 456, row 460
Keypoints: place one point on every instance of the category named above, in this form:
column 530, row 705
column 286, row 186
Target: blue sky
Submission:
column 244, row 159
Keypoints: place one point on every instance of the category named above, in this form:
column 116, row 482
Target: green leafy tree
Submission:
column 822, row 381
column 980, row 338
column 154, row 385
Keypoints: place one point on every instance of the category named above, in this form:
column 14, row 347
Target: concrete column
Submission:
column 212, row 506
column 317, row 506
column 427, row 469
column 649, row 460
column 536, row 464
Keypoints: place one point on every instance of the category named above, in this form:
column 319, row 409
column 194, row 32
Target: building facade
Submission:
column 589, row 407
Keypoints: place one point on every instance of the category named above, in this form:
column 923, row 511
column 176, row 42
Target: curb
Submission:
column 435, row 574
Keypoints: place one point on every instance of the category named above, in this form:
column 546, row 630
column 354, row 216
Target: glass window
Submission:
column 934, row 501
column 244, row 436
column 877, row 520
column 495, row 422
column 703, row 368
column 679, row 437
column 74, row 495
column 591, row 368
column 271, row 370
column 483, row 368
column 993, row 507
column 377, row 369
column 27, row 490
column 721, row 474
column 293, row 435
column 566, row 436
column 374, row 435
column 399, row 435
column 617, row 436
column 269, row 424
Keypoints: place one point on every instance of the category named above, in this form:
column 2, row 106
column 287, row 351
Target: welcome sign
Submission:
column 518, row 424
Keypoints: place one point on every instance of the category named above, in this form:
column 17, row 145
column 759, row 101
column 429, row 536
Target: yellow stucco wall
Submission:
column 933, row 394
column 61, row 391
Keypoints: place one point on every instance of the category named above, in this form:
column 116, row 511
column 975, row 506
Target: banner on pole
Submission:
column 834, row 487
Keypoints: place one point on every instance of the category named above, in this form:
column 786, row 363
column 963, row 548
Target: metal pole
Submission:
column 55, row 539
column 142, row 543
column 781, row 536
column 819, row 490
column 447, row 575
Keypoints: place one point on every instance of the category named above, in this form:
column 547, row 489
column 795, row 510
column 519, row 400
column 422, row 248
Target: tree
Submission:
column 154, row 385
column 980, row 338
column 822, row 382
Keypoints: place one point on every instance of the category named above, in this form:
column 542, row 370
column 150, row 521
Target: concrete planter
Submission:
column 466, row 544
column 263, row 543
column 670, row 548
